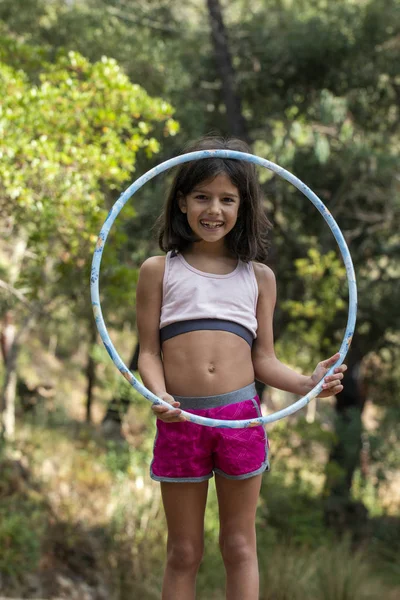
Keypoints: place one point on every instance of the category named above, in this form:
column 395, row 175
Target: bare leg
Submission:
column 184, row 505
column 237, row 499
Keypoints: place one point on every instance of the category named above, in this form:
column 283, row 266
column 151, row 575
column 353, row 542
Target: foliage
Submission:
column 107, row 519
column 71, row 139
column 19, row 542
column 332, row 572
column 323, row 278
column 74, row 137
column 23, row 522
column 341, row 574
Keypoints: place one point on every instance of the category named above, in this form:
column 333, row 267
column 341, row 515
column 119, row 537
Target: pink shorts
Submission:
column 185, row 452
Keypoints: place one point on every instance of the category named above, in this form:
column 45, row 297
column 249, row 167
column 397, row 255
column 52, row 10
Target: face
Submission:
column 212, row 208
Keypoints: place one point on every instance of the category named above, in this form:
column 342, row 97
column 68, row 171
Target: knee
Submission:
column 184, row 555
column 237, row 548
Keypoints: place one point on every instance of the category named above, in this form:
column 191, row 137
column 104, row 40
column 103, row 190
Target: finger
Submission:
column 169, row 416
column 331, row 392
column 180, row 419
column 341, row 369
column 332, row 386
column 172, row 418
column 173, row 403
column 174, row 412
column 336, row 377
column 170, row 400
column 335, row 390
column 330, row 361
column 160, row 409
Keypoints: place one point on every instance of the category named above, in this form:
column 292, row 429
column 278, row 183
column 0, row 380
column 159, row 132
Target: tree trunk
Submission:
column 17, row 258
column 9, row 353
column 118, row 406
column 90, row 372
column 341, row 512
column 8, row 403
column 236, row 121
column 10, row 345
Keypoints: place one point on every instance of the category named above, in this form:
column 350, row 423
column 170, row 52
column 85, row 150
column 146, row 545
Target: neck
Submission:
column 217, row 250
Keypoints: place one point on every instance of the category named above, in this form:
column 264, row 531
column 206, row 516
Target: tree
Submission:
column 236, row 124
column 74, row 138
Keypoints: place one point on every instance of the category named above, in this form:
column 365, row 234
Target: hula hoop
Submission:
column 94, row 285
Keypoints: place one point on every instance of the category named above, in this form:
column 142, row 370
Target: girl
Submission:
column 205, row 313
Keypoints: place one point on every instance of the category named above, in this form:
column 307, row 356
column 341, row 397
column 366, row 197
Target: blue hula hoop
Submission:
column 95, row 272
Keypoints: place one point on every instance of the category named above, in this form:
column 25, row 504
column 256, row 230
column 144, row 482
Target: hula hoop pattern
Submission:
column 94, row 284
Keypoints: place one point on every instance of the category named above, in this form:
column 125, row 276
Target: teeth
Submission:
column 211, row 224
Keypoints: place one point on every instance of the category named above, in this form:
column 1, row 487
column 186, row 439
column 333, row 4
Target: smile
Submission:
column 211, row 224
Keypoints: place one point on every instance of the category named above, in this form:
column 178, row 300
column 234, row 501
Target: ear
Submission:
column 182, row 202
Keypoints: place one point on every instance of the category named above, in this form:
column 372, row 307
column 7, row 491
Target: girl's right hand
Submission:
column 168, row 415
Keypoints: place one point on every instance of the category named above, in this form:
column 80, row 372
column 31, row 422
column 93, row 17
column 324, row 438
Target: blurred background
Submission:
column 95, row 93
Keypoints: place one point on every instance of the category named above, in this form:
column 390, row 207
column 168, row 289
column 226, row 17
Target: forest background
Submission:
column 95, row 93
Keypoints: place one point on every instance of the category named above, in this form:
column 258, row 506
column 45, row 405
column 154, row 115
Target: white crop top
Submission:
column 190, row 295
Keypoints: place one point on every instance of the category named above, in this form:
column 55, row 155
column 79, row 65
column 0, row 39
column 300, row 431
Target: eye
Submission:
column 228, row 200
column 200, row 197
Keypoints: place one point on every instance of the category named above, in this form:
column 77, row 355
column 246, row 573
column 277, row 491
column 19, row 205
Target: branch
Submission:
column 17, row 293
column 144, row 21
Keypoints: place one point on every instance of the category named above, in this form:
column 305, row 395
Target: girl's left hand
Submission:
column 332, row 384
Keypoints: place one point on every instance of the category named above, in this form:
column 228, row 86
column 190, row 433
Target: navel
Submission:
column 211, row 368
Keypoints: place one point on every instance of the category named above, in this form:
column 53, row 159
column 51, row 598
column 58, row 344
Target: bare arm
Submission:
column 148, row 309
column 267, row 367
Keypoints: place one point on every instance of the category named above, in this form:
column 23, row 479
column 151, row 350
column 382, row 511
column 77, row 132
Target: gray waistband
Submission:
column 198, row 402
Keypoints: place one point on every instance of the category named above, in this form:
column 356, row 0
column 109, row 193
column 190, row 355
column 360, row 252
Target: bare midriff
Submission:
column 206, row 363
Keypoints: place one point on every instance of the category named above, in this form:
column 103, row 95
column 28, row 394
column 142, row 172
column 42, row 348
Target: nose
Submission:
column 214, row 207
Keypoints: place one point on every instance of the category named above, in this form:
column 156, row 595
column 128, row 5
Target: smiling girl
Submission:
column 205, row 314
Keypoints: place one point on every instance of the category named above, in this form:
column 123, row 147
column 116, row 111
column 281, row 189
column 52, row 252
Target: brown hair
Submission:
column 248, row 240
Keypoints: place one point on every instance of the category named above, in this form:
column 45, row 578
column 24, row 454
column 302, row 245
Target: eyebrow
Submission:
column 223, row 193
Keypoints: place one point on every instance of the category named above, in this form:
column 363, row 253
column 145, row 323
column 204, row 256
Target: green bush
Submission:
column 342, row 573
column 332, row 572
column 21, row 530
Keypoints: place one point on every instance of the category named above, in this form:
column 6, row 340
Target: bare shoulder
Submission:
column 153, row 268
column 150, row 282
column 265, row 277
